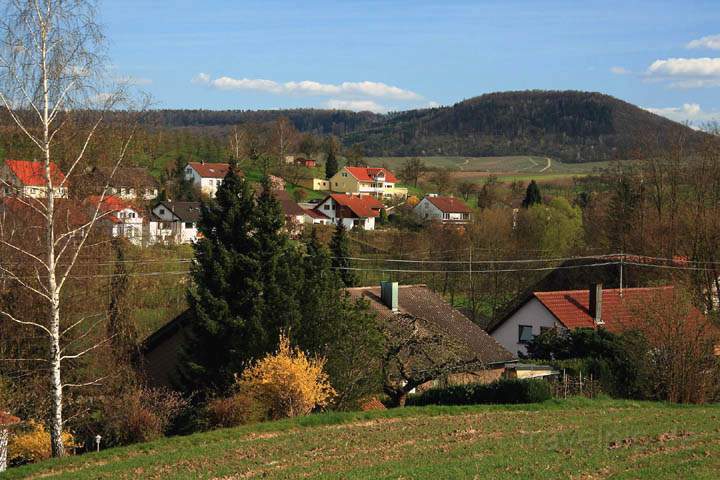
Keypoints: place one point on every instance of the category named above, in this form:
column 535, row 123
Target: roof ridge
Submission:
column 624, row 289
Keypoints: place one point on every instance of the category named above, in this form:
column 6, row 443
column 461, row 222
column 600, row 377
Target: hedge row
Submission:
column 500, row 391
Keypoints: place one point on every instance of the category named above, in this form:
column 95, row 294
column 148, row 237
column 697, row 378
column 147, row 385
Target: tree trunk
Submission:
column 4, row 436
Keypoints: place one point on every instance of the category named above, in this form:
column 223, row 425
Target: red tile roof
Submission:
column 360, row 206
column 32, row 174
column 212, row 170
column 316, row 214
column 367, row 174
column 111, row 204
column 571, row 307
column 449, row 204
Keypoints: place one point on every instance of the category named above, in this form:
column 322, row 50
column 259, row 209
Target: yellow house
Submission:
column 378, row 182
column 317, row 184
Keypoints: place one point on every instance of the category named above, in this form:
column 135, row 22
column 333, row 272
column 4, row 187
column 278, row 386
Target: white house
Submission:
column 173, row 223
column 121, row 217
column 27, row 179
column 442, row 209
column 593, row 308
column 207, row 177
column 351, row 210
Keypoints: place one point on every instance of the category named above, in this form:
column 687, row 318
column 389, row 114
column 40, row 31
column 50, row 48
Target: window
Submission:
column 525, row 334
column 162, row 211
column 344, row 175
column 336, row 184
column 189, row 225
column 326, row 207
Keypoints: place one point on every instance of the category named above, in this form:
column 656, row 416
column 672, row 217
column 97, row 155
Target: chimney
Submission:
column 596, row 291
column 389, row 295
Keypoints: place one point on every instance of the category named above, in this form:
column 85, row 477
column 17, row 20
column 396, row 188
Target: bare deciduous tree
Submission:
column 52, row 84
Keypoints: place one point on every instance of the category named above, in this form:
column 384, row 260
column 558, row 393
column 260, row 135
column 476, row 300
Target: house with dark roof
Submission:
column 128, row 183
column 173, row 223
column 441, row 344
column 443, row 209
column 28, row 179
column 207, row 177
column 434, row 343
column 377, row 182
column 616, row 310
column 351, row 210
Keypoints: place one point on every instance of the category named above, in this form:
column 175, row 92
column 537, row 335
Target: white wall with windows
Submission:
column 527, row 322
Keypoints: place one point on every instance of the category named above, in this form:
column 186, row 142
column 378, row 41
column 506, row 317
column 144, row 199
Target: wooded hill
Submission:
column 567, row 125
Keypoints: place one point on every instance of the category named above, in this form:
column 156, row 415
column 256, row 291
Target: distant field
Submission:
column 576, row 438
column 506, row 168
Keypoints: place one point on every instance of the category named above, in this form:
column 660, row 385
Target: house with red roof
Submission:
column 616, row 310
column 442, row 209
column 351, row 210
column 207, row 177
column 28, row 179
column 120, row 217
column 377, row 182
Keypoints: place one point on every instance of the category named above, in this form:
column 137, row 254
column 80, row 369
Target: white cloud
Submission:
column 711, row 42
column 689, row 112
column 201, row 79
column 619, row 70
column 355, row 105
column 686, row 72
column 309, row 87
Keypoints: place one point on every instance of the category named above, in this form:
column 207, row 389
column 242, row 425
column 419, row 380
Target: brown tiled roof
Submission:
column 360, row 206
column 7, row 419
column 368, row 174
column 288, row 204
column 423, row 303
column 449, row 204
column 185, row 211
column 136, row 177
column 212, row 170
column 315, row 213
column 619, row 313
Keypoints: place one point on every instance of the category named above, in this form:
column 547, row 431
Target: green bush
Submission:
column 500, row 391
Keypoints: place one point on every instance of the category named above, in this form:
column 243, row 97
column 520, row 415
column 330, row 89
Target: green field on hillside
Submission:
column 576, row 438
column 507, row 168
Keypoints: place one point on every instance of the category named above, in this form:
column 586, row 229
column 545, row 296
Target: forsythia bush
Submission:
column 287, row 383
column 33, row 444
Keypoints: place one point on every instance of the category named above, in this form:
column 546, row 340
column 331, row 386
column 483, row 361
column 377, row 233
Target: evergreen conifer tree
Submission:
column 331, row 164
column 232, row 287
column 341, row 254
column 532, row 195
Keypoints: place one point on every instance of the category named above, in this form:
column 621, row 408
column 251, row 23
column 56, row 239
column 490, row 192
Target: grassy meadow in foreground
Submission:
column 576, row 438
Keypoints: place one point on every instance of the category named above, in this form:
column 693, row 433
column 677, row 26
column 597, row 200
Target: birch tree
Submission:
column 53, row 87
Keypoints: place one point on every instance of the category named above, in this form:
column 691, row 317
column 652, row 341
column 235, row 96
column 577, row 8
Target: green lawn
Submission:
column 576, row 438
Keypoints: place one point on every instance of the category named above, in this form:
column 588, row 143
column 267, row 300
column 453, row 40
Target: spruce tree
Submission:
column 331, row 164
column 532, row 195
column 226, row 300
column 341, row 254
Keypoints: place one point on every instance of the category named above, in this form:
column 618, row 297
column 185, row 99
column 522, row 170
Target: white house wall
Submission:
column 533, row 313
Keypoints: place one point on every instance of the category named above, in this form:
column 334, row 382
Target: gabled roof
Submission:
column 185, row 211
column 32, row 174
column 111, row 204
column 212, row 170
column 360, row 206
column 448, row 204
column 287, row 203
column 310, row 212
column 135, row 177
column 618, row 313
column 421, row 302
column 368, row 174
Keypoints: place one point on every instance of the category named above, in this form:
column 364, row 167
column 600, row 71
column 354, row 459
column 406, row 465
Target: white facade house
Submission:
column 128, row 183
column 27, row 179
column 121, row 218
column 207, row 177
column 442, row 209
column 351, row 210
column 173, row 223
column 527, row 322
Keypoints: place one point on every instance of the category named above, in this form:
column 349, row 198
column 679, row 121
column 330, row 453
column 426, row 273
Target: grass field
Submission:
column 576, row 438
column 523, row 168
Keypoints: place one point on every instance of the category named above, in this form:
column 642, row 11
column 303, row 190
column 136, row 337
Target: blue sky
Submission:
column 394, row 55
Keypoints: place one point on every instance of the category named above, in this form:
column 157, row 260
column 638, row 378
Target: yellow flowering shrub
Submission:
column 287, row 383
column 33, row 444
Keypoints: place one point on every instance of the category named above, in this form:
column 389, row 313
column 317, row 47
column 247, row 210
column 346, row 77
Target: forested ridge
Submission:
column 570, row 126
